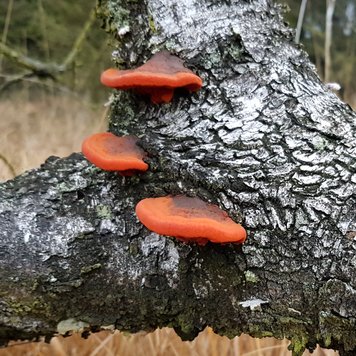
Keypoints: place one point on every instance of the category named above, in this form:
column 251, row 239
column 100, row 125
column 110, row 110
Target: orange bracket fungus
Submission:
column 113, row 153
column 189, row 219
column 158, row 78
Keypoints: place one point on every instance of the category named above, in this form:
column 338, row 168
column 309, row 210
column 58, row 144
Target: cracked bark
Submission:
column 264, row 139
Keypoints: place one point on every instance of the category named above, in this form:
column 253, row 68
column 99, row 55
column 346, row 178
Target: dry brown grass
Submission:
column 33, row 130
column 30, row 132
column 163, row 342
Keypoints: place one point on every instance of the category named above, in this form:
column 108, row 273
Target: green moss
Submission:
column 291, row 321
column 133, row 249
column 327, row 340
column 93, row 169
column 36, row 306
column 122, row 114
column 121, row 15
column 63, row 187
column 88, row 269
column 20, row 309
column 251, row 277
column 235, row 52
column 267, row 333
column 212, row 60
column 256, row 330
column 113, row 15
column 82, row 236
column 184, row 323
column 103, row 211
column 319, row 143
column 339, row 330
column 298, row 345
column 151, row 24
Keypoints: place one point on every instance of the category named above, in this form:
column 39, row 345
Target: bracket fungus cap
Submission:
column 113, row 153
column 158, row 77
column 189, row 219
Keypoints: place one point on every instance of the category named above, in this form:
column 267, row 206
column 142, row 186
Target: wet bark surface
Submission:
column 264, row 139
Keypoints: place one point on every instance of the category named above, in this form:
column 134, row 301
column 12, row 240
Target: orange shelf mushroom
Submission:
column 113, row 153
column 158, row 78
column 189, row 219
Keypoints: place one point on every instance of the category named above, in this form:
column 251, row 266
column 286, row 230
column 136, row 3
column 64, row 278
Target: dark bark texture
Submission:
column 264, row 139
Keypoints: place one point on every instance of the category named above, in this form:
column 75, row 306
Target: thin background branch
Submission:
column 330, row 7
column 6, row 26
column 298, row 32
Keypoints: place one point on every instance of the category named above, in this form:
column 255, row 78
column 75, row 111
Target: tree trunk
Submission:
column 264, row 139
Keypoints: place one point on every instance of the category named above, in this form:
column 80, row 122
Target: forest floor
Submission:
column 33, row 129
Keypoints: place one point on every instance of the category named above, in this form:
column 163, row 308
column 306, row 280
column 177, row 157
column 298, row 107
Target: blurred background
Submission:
column 51, row 57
